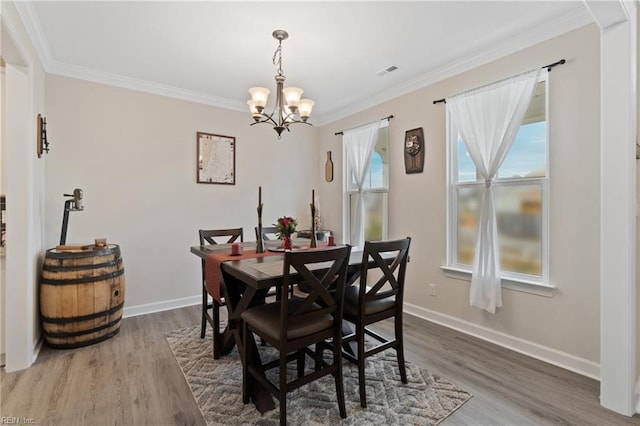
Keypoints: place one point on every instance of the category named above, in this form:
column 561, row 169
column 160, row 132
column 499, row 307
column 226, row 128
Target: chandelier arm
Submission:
column 266, row 119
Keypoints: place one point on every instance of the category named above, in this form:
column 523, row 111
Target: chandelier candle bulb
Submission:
column 259, row 96
column 304, row 108
column 292, row 95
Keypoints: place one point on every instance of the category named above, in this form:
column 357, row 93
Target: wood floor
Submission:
column 133, row 379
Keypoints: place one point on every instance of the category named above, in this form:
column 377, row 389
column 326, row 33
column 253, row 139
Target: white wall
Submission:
column 569, row 321
column 23, row 181
column 134, row 155
column 2, row 191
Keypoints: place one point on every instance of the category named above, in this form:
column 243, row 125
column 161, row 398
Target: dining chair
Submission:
column 208, row 236
column 367, row 304
column 268, row 233
column 294, row 323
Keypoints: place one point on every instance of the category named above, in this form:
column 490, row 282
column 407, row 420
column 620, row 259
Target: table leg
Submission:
column 239, row 298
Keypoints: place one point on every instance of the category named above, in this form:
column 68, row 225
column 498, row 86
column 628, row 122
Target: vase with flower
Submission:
column 285, row 227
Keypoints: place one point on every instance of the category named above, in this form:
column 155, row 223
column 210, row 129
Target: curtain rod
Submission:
column 385, row 118
column 548, row 67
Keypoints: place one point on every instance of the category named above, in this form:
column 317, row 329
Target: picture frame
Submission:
column 414, row 151
column 215, row 159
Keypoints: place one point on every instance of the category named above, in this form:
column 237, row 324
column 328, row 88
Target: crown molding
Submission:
column 550, row 29
column 32, row 25
column 118, row 80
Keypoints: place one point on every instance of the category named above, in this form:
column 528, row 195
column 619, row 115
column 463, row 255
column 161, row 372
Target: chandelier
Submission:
column 296, row 110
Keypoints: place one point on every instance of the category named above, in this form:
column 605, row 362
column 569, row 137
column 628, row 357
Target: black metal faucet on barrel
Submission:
column 72, row 205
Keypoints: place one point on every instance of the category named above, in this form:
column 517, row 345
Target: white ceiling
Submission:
column 212, row 52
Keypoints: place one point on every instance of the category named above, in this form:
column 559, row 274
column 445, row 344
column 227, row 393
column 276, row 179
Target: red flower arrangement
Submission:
column 285, row 226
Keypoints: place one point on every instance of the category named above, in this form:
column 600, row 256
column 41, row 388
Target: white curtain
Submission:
column 488, row 119
column 359, row 143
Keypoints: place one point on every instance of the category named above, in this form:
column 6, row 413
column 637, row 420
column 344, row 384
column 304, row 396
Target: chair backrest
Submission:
column 267, row 232
column 208, row 235
column 326, row 289
column 393, row 270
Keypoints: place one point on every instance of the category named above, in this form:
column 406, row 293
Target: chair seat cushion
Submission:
column 265, row 319
column 351, row 296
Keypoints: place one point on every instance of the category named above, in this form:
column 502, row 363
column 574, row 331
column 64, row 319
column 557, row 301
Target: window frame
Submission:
column 459, row 269
column 347, row 191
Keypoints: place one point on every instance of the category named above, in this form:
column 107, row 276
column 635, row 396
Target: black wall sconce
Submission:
column 42, row 145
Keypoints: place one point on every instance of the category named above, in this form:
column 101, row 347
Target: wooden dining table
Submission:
column 245, row 283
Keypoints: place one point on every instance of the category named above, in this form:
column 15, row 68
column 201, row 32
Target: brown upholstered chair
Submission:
column 365, row 305
column 208, row 236
column 292, row 324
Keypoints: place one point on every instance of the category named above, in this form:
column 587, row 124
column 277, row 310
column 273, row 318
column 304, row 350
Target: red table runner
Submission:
column 212, row 268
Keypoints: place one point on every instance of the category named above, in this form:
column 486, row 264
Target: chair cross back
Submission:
column 207, row 235
column 266, row 231
column 373, row 251
column 319, row 301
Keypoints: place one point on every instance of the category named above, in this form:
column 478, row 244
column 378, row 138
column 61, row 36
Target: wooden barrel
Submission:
column 81, row 296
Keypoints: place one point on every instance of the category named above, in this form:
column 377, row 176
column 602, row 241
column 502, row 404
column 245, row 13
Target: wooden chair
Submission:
column 208, row 236
column 267, row 232
column 267, row 235
column 292, row 324
column 364, row 305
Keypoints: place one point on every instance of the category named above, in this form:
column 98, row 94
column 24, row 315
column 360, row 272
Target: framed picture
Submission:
column 414, row 151
column 216, row 162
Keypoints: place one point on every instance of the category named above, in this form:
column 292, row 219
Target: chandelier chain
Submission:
column 277, row 58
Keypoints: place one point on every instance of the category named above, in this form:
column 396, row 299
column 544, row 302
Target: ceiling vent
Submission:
column 387, row 70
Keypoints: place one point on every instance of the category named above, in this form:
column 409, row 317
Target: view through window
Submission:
column 520, row 194
column 375, row 194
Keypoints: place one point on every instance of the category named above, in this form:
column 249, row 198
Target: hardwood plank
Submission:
column 130, row 379
column 133, row 379
column 509, row 388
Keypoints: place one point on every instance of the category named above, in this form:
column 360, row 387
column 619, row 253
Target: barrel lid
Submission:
column 90, row 252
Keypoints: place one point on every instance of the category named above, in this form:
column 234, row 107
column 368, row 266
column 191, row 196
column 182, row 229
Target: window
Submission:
column 375, row 194
column 520, row 193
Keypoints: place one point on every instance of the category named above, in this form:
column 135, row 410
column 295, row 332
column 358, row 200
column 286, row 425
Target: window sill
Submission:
column 516, row 284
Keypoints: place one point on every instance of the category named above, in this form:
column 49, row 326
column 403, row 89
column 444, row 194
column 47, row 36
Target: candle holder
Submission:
column 259, row 241
column 314, row 240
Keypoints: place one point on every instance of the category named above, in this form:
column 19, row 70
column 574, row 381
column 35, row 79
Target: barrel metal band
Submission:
column 83, row 343
column 84, row 317
column 68, row 281
column 52, row 268
column 81, row 333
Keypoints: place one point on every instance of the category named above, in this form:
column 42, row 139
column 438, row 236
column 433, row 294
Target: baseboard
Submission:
column 637, row 395
column 36, row 348
column 166, row 305
column 552, row 356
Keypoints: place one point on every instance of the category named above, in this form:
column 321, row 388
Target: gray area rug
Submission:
column 426, row 399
